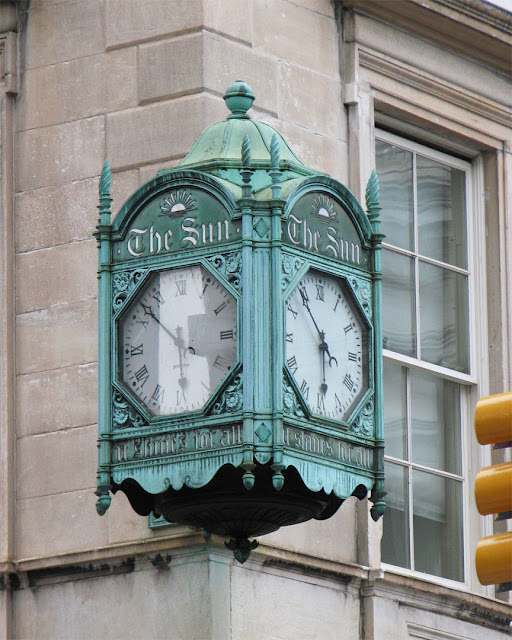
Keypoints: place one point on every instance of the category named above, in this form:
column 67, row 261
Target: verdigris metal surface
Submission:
column 243, row 428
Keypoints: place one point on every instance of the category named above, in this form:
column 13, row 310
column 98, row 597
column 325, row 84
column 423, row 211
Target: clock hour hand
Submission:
column 323, row 386
column 182, row 381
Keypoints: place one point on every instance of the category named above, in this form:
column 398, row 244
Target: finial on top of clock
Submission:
column 239, row 98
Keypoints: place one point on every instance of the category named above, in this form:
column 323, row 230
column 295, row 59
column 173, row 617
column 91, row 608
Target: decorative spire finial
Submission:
column 104, row 191
column 372, row 197
column 246, row 152
column 246, row 167
column 105, row 181
column 275, row 174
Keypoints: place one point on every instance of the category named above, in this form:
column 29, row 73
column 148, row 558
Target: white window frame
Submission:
column 474, row 383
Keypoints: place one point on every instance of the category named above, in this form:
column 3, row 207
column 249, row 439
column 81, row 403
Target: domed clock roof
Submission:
column 218, row 150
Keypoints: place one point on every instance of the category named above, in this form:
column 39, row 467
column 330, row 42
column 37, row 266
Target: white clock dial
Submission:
column 326, row 345
column 177, row 340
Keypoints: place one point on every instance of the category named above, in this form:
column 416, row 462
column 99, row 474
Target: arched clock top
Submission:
column 175, row 212
column 331, row 188
column 172, row 180
column 323, row 218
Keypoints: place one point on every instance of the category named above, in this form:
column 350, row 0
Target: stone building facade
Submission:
column 420, row 89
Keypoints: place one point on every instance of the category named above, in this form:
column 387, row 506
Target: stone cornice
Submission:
column 181, row 543
column 472, row 28
column 448, row 92
column 422, row 594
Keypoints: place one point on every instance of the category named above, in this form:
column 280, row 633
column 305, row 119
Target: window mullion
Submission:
column 409, row 467
column 416, row 263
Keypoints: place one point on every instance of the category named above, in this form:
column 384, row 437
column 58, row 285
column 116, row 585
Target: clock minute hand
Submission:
column 149, row 312
column 323, row 344
column 305, row 302
column 178, row 341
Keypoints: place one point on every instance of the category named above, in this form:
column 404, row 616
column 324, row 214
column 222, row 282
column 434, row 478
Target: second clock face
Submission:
column 177, row 340
column 326, row 345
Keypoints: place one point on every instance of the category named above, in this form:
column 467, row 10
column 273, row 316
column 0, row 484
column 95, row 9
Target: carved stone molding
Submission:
column 8, row 61
column 472, row 28
column 411, row 76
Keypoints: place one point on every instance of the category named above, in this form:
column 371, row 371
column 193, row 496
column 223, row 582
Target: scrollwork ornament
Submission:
column 231, row 400
column 123, row 283
column 364, row 294
column 363, row 424
column 123, row 415
column 290, row 402
column 230, row 266
column 289, row 265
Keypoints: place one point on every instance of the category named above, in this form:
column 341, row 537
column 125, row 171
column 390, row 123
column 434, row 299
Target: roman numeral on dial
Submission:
column 292, row 363
column 136, row 351
column 158, row 394
column 181, row 287
column 221, row 364
column 142, row 375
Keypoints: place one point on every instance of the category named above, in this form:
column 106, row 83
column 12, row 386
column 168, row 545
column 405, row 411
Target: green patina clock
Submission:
column 239, row 323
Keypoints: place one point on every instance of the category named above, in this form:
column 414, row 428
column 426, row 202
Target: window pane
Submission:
column 435, row 419
column 444, row 317
column 395, row 410
column 437, row 524
column 395, row 537
column 398, row 314
column 441, row 211
column 394, row 168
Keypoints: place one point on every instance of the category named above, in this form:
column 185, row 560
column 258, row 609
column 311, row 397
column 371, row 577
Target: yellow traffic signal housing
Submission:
column 493, row 490
column 493, row 419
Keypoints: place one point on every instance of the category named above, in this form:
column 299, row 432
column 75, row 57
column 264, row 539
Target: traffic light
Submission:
column 493, row 490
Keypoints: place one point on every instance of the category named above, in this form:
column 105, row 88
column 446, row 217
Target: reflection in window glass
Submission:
column 425, row 293
column 435, row 422
column 395, row 410
column 395, row 540
column 437, row 525
column 441, row 209
column 394, row 167
column 444, row 317
column 398, row 304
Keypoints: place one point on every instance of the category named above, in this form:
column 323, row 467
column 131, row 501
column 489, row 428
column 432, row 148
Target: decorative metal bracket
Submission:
column 231, row 399
column 229, row 265
column 123, row 283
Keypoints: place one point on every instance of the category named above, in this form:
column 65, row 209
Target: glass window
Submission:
column 425, row 292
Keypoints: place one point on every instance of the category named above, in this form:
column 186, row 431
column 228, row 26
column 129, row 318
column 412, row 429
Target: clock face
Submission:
column 327, row 345
column 177, row 340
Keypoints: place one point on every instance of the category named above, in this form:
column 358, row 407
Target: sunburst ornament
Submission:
column 323, row 207
column 177, row 204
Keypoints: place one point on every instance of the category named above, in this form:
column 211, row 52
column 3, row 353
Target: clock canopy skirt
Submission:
column 240, row 340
